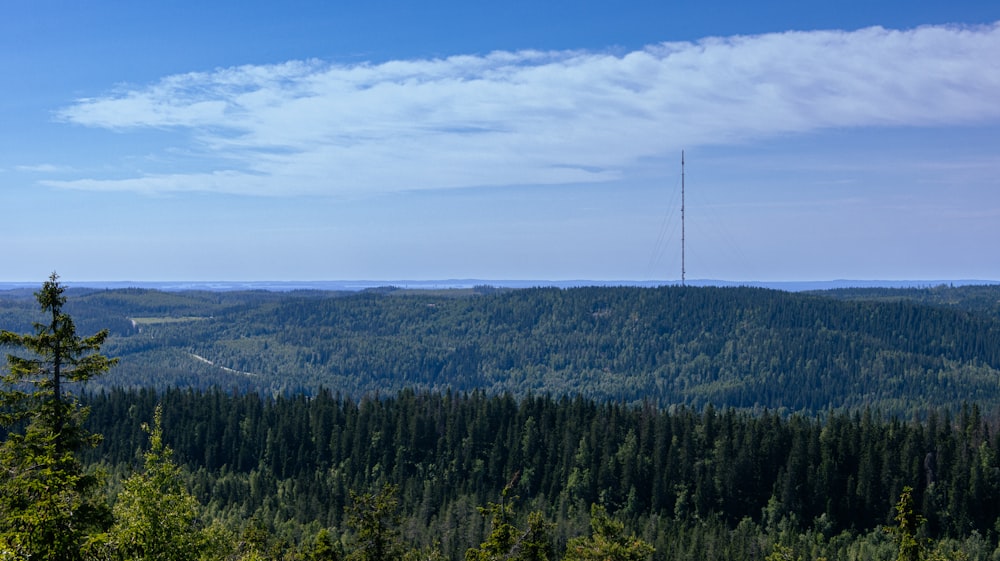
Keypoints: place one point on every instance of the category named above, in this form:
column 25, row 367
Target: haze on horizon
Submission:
column 308, row 141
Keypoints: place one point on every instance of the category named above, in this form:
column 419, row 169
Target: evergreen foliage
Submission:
column 296, row 460
column 155, row 517
column 608, row 541
column 508, row 542
column 48, row 505
column 908, row 524
column 34, row 385
column 374, row 519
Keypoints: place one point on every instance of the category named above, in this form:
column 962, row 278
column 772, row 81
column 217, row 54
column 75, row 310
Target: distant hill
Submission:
column 901, row 350
column 452, row 284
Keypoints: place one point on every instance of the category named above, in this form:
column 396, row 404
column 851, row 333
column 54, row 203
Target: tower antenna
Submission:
column 683, row 272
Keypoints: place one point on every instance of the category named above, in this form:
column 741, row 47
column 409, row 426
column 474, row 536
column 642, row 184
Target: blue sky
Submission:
column 500, row 140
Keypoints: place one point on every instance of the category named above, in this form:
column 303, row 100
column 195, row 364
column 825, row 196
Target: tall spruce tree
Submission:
column 47, row 501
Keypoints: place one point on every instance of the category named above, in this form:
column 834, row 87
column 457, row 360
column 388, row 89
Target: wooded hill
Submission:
column 667, row 409
column 901, row 351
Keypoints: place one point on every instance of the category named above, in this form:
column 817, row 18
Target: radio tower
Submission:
column 682, row 219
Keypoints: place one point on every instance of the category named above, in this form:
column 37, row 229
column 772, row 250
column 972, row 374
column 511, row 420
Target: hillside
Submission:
column 900, row 350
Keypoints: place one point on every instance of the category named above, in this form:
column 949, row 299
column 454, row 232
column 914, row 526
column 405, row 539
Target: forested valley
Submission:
column 560, row 424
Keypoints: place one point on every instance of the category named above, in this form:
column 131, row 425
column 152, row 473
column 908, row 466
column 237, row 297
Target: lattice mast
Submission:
column 683, row 271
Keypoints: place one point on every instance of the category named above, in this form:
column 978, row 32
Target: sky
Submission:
column 298, row 141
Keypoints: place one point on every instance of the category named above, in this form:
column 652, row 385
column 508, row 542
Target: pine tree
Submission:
column 47, row 501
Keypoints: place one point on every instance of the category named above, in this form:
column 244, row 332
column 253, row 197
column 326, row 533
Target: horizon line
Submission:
column 466, row 283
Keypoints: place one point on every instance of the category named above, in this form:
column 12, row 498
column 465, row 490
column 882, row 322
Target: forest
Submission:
column 670, row 475
column 536, row 424
column 899, row 351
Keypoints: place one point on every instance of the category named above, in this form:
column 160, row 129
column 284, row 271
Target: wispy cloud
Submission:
column 542, row 117
column 43, row 168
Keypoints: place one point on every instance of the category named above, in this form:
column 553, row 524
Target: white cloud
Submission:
column 43, row 168
column 542, row 117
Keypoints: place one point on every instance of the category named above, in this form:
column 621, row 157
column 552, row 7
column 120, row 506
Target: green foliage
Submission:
column 427, row 553
column 908, row 523
column 782, row 553
column 295, row 460
column 56, row 356
column 508, row 542
column 608, row 541
column 375, row 521
column 156, row 518
column 325, row 547
column 911, row 545
column 47, row 501
column 48, row 505
column 241, row 541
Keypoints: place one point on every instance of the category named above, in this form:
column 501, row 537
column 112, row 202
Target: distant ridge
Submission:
column 902, row 350
column 443, row 284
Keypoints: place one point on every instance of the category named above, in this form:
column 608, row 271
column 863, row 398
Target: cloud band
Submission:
column 311, row 127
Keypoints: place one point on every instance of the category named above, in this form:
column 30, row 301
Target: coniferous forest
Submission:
column 898, row 351
column 592, row 423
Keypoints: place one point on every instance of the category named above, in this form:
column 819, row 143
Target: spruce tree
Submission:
column 375, row 520
column 506, row 541
column 156, row 517
column 47, row 501
column 608, row 541
column 911, row 547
